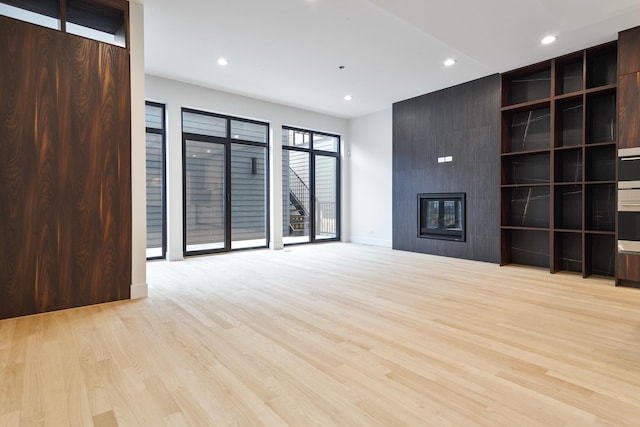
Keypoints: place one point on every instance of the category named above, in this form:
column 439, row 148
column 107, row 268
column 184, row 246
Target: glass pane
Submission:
column 203, row 124
column 296, row 196
column 96, row 21
column 325, row 142
column 204, row 196
column 154, row 195
column 40, row 12
column 326, row 197
column 153, row 116
column 248, row 196
column 249, row 131
column 296, row 138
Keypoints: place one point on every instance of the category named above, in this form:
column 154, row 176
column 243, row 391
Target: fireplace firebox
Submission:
column 441, row 216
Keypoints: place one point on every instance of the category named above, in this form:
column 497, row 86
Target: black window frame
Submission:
column 312, row 169
column 228, row 142
column 163, row 133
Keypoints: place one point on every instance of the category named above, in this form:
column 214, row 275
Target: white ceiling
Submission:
column 289, row 51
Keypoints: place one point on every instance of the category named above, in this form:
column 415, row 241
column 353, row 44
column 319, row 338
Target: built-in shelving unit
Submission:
column 558, row 163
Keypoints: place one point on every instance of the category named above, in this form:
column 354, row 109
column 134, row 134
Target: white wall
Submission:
column 176, row 95
column 138, row 175
column 370, row 179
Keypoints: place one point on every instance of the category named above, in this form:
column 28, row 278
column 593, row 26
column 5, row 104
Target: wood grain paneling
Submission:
column 629, row 110
column 629, row 267
column 65, row 191
column 629, row 88
column 462, row 122
column 629, row 51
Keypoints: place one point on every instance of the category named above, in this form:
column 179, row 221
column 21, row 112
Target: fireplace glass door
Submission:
column 441, row 216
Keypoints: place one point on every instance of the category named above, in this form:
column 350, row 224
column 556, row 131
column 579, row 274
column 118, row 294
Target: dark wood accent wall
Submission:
column 629, row 88
column 65, row 170
column 628, row 266
column 464, row 122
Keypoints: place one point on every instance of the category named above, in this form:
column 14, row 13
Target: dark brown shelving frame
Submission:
column 567, row 158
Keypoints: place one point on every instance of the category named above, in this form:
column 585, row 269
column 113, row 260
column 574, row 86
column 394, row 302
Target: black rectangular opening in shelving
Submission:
column 569, row 123
column 600, row 207
column 568, row 165
column 601, row 163
column 528, row 87
column 601, row 252
column 569, row 76
column 529, row 130
column 529, row 247
column 527, row 169
column 526, row 206
column 601, row 115
column 569, row 251
column 568, row 207
column 602, row 68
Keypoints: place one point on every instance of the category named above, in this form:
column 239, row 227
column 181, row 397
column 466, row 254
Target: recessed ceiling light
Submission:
column 348, row 97
column 548, row 39
column 449, row 62
column 223, row 61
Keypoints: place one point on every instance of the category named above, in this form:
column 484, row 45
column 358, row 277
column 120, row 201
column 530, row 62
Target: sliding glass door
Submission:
column 326, row 193
column 225, row 183
column 205, row 196
column 311, row 185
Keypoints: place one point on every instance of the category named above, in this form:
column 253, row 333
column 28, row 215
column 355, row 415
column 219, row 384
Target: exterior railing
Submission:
column 326, row 214
column 299, row 189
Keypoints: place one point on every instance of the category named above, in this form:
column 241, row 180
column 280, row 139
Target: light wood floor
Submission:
column 332, row 335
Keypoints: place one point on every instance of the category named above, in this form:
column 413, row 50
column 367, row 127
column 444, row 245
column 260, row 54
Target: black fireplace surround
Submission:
column 441, row 216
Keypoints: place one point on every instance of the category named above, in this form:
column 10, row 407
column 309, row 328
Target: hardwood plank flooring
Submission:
column 332, row 335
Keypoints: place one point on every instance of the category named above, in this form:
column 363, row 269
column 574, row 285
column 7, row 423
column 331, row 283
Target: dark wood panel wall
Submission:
column 65, row 170
column 629, row 88
column 463, row 122
column 628, row 265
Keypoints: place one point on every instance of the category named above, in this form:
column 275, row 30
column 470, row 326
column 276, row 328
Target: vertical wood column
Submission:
column 628, row 265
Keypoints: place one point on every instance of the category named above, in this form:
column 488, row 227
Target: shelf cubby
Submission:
column 526, row 247
column 526, row 169
column 568, row 250
column 569, row 122
column 527, row 86
column 600, row 207
column 600, row 163
column 600, row 251
column 601, row 117
column 526, row 206
column 527, row 130
column 602, row 67
column 568, row 165
column 569, row 75
column 568, row 207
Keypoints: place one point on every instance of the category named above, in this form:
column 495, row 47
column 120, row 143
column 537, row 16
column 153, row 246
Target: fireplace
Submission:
column 441, row 216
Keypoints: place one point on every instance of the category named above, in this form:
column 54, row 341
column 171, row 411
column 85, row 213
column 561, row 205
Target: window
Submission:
column 225, row 182
column 104, row 21
column 40, row 12
column 156, row 187
column 311, row 185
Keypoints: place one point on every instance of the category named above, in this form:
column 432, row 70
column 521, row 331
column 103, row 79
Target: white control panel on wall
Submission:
column 445, row 159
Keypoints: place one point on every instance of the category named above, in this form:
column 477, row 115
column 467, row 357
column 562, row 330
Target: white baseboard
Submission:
column 139, row 290
column 365, row 240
